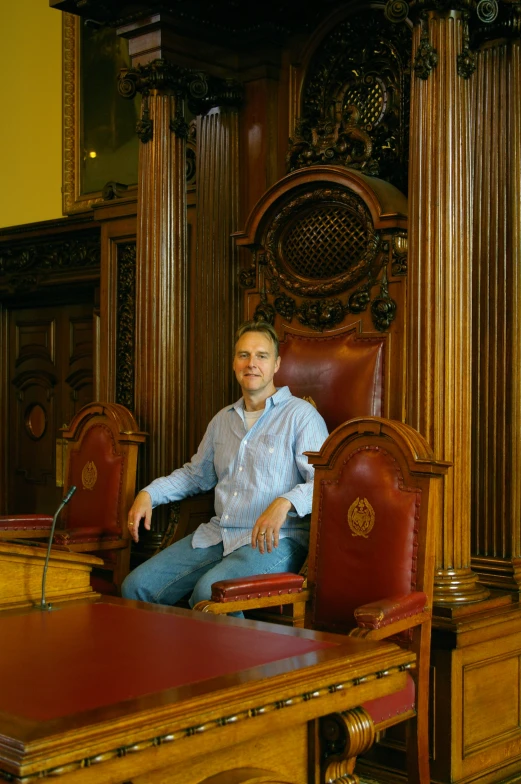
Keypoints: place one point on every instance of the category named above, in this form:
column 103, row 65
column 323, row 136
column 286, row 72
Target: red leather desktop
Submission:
column 114, row 691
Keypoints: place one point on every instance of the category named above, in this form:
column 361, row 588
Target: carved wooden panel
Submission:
column 486, row 685
column 354, row 105
column 51, row 377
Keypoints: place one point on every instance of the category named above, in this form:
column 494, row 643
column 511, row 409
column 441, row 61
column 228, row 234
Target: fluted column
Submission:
column 439, row 380
column 215, row 270
column 161, row 370
column 496, row 541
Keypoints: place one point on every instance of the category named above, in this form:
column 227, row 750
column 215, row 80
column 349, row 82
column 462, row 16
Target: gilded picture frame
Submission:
column 99, row 140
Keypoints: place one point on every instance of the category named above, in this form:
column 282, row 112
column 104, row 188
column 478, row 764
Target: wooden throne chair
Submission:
column 324, row 258
column 376, row 508
column 102, row 444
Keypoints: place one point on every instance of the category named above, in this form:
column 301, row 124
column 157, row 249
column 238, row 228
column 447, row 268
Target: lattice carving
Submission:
column 340, row 234
column 355, row 105
column 321, row 243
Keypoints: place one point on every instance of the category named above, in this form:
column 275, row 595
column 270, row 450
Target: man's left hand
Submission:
column 265, row 532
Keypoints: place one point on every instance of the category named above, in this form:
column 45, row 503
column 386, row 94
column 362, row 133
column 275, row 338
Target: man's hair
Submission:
column 259, row 326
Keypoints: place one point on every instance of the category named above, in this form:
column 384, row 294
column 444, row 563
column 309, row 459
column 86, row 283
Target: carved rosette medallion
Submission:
column 89, row 475
column 361, row 517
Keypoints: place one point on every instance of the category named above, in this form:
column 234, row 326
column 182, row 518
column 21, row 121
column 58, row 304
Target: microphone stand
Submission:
column 43, row 604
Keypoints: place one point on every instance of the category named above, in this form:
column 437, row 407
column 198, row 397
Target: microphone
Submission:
column 43, row 604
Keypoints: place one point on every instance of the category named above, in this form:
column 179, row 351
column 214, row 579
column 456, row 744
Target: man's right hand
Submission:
column 141, row 509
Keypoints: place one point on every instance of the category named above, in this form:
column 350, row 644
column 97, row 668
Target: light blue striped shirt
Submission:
column 249, row 469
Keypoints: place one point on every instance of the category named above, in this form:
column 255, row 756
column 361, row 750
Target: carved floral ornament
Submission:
column 321, row 244
column 25, row 266
column 200, row 91
column 483, row 20
column 355, row 100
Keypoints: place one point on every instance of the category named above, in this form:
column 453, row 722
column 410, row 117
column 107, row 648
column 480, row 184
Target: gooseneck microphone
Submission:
column 43, row 604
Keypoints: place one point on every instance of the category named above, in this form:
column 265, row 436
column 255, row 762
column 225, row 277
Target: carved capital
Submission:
column 495, row 20
column 202, row 92
column 488, row 19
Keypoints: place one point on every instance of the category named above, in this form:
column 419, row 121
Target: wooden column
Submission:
column 161, row 277
column 161, row 369
column 496, row 541
column 214, row 278
column 440, row 298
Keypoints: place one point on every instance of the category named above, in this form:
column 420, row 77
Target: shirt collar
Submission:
column 280, row 395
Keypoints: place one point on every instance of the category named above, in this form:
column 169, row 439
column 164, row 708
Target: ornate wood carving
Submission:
column 202, row 93
column 126, row 325
column 440, row 297
column 26, row 266
column 343, row 737
column 355, row 100
column 322, row 243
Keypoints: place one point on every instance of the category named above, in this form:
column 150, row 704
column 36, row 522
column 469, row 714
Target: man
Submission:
column 252, row 453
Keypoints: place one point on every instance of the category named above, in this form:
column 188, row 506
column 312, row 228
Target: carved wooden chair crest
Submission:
column 102, row 446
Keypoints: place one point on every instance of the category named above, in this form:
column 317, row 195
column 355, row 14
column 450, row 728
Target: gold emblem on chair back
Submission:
column 89, row 475
column 361, row 517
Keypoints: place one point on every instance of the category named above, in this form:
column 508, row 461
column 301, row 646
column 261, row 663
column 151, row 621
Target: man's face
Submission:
column 255, row 363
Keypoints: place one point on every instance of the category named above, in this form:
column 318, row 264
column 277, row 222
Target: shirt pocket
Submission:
column 274, row 458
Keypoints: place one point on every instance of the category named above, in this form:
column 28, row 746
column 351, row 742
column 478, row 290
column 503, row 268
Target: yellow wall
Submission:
column 31, row 112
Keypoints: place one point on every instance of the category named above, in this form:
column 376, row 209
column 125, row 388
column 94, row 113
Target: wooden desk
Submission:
column 119, row 691
column 21, row 571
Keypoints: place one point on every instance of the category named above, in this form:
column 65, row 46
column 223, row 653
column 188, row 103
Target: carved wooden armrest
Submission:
column 250, row 593
column 392, row 615
column 257, row 586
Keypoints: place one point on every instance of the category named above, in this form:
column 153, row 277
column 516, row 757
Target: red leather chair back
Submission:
column 97, row 470
column 366, row 535
column 342, row 373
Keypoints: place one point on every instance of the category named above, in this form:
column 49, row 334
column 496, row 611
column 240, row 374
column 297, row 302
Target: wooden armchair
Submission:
column 102, row 446
column 371, row 570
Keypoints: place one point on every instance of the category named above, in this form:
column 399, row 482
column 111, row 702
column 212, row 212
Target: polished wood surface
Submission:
column 496, row 500
column 161, row 339
column 21, row 572
column 155, row 694
column 439, row 350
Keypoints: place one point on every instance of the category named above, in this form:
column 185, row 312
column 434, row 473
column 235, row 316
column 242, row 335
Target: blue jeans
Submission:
column 181, row 569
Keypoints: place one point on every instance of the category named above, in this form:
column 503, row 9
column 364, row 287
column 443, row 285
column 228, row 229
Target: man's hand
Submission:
column 265, row 532
column 141, row 509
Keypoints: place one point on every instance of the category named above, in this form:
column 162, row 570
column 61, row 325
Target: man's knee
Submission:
column 202, row 590
column 130, row 587
column 135, row 586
